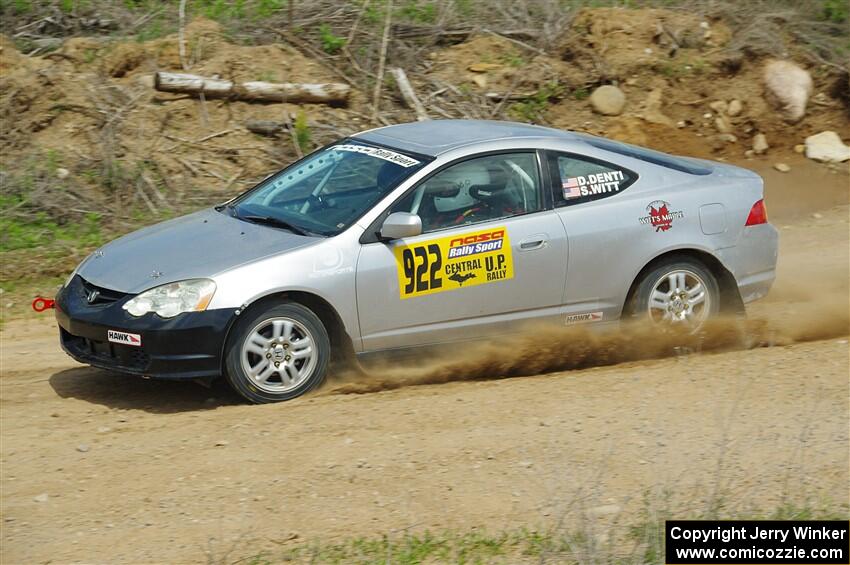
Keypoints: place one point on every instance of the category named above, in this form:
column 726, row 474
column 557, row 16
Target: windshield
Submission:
column 329, row 190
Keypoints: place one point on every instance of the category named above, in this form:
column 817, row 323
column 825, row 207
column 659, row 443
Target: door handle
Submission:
column 532, row 243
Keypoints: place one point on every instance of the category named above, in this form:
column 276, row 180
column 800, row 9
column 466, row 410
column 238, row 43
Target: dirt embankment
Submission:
column 92, row 101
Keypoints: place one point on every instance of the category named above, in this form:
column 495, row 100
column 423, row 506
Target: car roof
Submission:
column 432, row 137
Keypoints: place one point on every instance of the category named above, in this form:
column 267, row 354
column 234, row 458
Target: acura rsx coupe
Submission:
column 416, row 235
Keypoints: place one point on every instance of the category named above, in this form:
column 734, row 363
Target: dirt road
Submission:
column 98, row 467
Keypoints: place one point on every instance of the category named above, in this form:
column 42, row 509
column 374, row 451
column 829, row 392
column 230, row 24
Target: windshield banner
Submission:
column 385, row 154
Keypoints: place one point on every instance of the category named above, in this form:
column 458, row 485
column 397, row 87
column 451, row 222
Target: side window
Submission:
column 476, row 190
column 578, row 179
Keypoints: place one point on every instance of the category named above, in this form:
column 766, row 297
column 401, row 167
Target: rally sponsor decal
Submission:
column 453, row 262
column 584, row 317
column 660, row 216
column 124, row 338
column 385, row 154
column 587, row 185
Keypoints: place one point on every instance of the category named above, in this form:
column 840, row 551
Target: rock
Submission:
column 41, row 497
column 653, row 113
column 718, row 141
column 760, row 145
column 480, row 81
column 222, row 443
column 681, row 123
column 48, row 43
column 788, row 87
column 735, row 108
column 83, row 448
column 799, row 148
column 782, row 167
column 62, row 173
column 608, row 100
column 749, row 153
column 722, row 124
column 719, row 106
column 827, row 147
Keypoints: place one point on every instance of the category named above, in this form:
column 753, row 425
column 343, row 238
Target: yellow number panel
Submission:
column 452, row 262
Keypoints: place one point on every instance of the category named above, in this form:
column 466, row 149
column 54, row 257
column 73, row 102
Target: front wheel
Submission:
column 277, row 354
column 678, row 292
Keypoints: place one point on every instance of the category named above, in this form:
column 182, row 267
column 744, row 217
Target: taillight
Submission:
column 758, row 214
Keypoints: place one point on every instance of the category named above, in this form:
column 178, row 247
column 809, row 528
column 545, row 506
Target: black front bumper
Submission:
column 189, row 345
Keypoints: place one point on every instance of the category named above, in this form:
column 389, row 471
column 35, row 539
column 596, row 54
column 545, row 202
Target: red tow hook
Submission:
column 40, row 304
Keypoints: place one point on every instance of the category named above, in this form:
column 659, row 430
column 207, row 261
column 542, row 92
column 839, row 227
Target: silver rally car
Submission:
column 420, row 234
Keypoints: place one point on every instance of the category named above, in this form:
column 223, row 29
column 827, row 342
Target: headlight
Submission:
column 175, row 298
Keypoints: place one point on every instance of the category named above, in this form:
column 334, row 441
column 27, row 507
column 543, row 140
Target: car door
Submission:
column 591, row 198
column 492, row 255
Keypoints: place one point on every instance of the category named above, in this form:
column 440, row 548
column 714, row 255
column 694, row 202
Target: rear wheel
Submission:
column 678, row 292
column 277, row 354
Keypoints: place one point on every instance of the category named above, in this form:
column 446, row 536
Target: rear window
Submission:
column 681, row 164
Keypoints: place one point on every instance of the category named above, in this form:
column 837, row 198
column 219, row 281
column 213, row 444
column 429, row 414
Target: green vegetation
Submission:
column 446, row 547
column 419, row 12
column 267, row 76
column 513, row 59
column 581, row 93
column 302, row 131
column 39, row 230
column 330, row 42
column 642, row 541
column 836, row 11
column 532, row 108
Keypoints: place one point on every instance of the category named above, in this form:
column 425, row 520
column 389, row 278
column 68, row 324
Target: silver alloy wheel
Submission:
column 278, row 355
column 680, row 296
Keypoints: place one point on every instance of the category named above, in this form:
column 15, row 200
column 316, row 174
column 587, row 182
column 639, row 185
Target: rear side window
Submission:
column 580, row 179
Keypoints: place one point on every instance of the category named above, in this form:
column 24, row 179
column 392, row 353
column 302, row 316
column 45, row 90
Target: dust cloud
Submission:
column 816, row 314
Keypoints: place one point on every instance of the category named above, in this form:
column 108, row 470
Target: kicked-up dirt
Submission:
column 98, row 467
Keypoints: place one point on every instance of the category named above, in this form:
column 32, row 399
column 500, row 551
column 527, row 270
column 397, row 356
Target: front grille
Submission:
column 105, row 354
column 101, row 295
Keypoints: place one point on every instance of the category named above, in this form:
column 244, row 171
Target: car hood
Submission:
column 199, row 245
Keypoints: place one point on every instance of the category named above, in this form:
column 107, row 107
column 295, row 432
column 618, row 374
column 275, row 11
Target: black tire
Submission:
column 252, row 390
column 639, row 307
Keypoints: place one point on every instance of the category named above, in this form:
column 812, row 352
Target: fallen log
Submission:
column 454, row 34
column 254, row 91
column 408, row 93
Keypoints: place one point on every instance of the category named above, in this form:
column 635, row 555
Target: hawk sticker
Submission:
column 660, row 216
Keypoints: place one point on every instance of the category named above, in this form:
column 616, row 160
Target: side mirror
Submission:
column 401, row 224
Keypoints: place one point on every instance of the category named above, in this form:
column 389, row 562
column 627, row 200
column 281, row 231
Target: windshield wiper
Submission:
column 276, row 222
